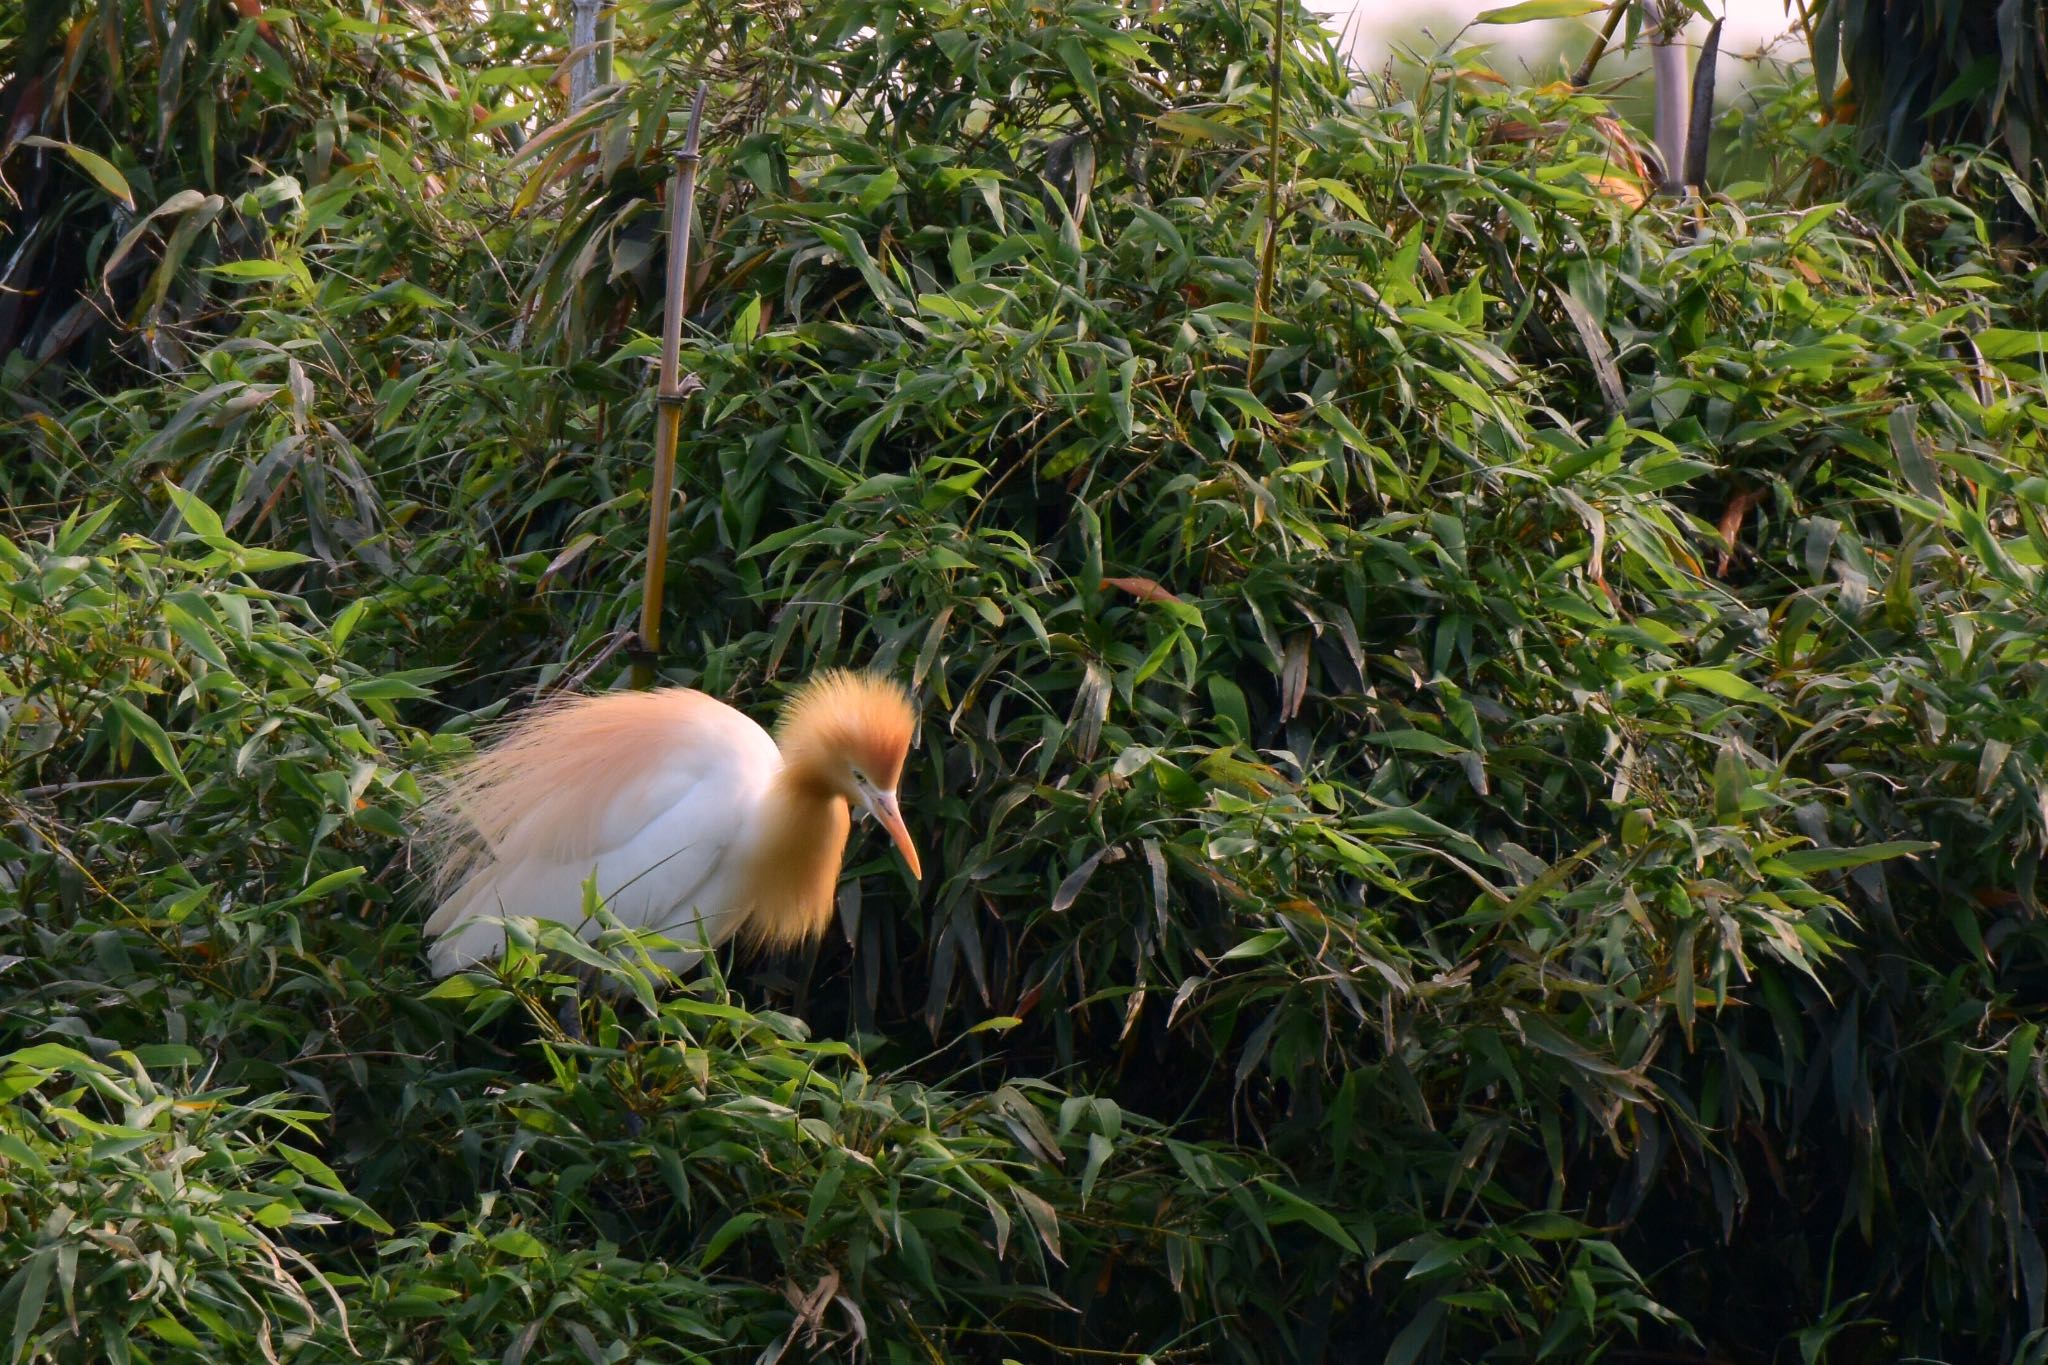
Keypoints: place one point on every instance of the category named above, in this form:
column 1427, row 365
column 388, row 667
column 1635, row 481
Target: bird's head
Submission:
column 851, row 732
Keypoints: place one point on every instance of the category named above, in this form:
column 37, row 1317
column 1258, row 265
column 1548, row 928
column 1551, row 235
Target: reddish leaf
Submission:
column 25, row 113
column 253, row 9
column 1730, row 526
column 1144, row 588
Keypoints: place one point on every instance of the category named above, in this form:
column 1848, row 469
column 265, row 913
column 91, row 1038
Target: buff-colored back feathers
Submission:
column 540, row 780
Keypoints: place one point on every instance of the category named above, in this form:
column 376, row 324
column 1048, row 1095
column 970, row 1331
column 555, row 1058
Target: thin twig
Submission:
column 669, row 402
column 60, row 788
column 573, row 681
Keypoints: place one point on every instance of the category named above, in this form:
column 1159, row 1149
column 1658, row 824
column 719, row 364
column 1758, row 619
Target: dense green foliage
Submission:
column 1511, row 831
column 1978, row 77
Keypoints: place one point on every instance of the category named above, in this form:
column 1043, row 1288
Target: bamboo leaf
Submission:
column 1529, row 11
column 1292, row 1208
column 103, row 171
column 151, row 735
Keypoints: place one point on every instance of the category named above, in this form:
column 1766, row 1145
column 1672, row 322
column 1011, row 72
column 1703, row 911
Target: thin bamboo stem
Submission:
column 682, row 188
column 1269, row 246
column 60, row 788
column 1584, row 74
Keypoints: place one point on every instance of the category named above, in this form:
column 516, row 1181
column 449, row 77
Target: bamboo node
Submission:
column 686, row 386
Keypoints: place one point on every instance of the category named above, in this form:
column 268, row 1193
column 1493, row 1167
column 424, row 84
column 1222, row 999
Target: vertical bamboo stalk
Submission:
column 1270, row 242
column 1666, row 22
column 583, row 50
column 682, row 195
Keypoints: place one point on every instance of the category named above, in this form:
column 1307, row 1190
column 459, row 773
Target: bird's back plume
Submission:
column 542, row 781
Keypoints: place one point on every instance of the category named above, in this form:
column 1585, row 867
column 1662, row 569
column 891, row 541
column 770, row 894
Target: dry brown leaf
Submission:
column 1145, row 589
column 1730, row 527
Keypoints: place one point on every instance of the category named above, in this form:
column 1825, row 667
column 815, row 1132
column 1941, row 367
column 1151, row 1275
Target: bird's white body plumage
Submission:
column 667, row 821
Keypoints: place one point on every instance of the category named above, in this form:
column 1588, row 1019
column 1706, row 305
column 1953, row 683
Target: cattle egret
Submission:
column 695, row 822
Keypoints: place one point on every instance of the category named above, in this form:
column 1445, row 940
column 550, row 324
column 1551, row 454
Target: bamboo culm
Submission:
column 669, row 399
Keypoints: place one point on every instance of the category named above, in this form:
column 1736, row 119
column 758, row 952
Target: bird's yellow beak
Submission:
column 882, row 805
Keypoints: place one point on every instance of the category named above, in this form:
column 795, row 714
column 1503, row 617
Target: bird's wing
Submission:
column 663, row 848
column 578, row 775
column 605, row 782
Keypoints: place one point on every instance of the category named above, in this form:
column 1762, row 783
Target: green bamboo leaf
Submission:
column 1806, row 861
column 203, row 520
column 1081, row 67
column 1530, row 11
column 1810, row 220
column 29, row 1287
column 1719, row 681
column 55, row 1057
column 260, row 559
column 1903, row 425
column 823, row 1196
column 262, row 269
column 1099, row 1151
column 152, row 737
column 730, row 1231
column 2001, row 343
column 310, row 1166
column 878, row 189
column 2019, row 1060
column 1258, row 945
column 333, row 881
column 1419, row 741
column 518, row 1242
column 947, row 307
column 175, row 1333
column 93, row 164
column 1292, row 1208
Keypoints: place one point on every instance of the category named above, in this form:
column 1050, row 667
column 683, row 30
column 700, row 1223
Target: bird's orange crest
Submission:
column 864, row 717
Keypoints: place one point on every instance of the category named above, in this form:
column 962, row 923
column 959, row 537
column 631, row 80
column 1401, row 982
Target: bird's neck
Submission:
column 795, row 865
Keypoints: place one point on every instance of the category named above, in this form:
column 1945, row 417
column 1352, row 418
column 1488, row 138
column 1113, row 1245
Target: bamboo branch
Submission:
column 1269, row 247
column 1584, row 74
column 682, row 196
